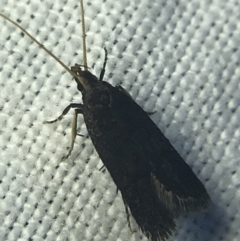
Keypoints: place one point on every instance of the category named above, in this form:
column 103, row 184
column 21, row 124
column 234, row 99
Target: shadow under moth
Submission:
column 155, row 183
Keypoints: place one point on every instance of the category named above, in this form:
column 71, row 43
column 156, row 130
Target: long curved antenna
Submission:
column 45, row 49
column 37, row 42
column 84, row 37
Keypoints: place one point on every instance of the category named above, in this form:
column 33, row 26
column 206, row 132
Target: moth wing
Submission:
column 174, row 181
column 130, row 169
column 152, row 216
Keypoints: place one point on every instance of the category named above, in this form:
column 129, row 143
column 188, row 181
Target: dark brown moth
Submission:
column 155, row 183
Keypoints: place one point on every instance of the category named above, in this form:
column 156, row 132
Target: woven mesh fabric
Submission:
column 180, row 59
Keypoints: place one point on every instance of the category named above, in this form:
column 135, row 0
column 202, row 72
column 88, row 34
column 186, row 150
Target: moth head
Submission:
column 95, row 92
column 84, row 78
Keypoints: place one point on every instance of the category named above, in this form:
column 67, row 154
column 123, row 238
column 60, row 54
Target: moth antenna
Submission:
column 40, row 45
column 84, row 37
column 37, row 42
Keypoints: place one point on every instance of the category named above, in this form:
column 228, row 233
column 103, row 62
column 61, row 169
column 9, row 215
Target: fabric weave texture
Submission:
column 178, row 59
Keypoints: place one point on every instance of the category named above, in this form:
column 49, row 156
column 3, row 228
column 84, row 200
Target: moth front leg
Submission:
column 65, row 111
column 78, row 108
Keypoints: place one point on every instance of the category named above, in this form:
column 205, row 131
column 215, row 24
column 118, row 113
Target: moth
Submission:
column 155, row 183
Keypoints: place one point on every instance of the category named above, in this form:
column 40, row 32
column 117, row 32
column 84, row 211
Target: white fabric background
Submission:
column 178, row 58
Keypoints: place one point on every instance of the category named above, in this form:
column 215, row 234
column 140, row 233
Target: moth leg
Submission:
column 128, row 215
column 74, row 131
column 78, row 134
column 65, row 111
column 102, row 167
column 104, row 65
column 151, row 112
